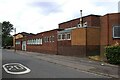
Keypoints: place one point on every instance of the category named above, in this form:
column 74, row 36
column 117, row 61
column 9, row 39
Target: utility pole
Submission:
column 15, row 39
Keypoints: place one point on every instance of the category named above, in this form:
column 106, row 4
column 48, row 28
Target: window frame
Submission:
column 114, row 33
column 59, row 37
column 67, row 36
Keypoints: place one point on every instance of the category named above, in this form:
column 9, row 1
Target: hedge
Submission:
column 113, row 54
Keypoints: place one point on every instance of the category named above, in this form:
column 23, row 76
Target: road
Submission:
column 40, row 68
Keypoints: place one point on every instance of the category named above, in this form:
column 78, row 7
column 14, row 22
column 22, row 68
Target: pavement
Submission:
column 83, row 64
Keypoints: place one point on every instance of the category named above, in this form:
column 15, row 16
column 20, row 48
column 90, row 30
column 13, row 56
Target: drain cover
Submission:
column 15, row 68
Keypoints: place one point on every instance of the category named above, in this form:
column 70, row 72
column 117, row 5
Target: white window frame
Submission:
column 59, row 39
column 114, row 32
column 67, row 36
column 50, row 39
column 41, row 41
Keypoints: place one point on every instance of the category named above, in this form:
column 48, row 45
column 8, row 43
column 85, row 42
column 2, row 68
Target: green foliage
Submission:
column 113, row 54
column 7, row 27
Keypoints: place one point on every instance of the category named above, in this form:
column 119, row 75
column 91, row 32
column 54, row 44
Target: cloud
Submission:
column 36, row 16
column 47, row 7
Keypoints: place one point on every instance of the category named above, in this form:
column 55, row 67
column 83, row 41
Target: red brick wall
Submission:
column 107, row 23
column 48, row 47
column 64, row 43
column 92, row 20
column 72, row 50
column 19, row 46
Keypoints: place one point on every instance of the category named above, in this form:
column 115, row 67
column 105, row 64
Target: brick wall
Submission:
column 107, row 23
column 93, row 41
column 92, row 20
column 72, row 51
column 19, row 46
column 45, row 47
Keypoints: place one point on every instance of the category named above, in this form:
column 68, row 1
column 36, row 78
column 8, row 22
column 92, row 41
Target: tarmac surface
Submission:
column 83, row 64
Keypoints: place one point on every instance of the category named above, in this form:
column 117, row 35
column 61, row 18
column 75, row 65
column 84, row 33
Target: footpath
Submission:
column 83, row 64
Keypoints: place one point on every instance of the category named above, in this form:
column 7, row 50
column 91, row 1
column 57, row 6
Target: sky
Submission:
column 35, row 16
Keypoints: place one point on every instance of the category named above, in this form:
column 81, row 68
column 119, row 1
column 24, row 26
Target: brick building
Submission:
column 45, row 42
column 83, row 41
column 75, row 39
column 110, row 30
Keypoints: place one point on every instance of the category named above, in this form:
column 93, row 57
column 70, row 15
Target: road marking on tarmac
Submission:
column 15, row 68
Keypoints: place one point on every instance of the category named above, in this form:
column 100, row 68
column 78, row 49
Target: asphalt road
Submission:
column 41, row 68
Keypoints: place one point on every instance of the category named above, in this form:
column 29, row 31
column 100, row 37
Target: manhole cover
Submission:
column 15, row 68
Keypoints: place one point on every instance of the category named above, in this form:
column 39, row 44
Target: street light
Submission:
column 15, row 39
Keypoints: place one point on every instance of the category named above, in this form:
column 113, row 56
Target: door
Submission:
column 24, row 45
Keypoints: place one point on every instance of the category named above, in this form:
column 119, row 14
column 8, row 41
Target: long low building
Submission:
column 74, row 38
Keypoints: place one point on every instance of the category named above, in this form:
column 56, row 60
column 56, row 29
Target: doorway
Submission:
column 24, row 45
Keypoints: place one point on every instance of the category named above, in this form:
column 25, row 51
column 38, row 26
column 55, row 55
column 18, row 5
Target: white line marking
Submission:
column 23, row 72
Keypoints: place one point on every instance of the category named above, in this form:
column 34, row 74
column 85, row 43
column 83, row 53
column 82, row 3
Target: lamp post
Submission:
column 15, row 40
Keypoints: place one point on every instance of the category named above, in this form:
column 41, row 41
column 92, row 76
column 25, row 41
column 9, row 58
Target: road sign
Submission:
column 15, row 68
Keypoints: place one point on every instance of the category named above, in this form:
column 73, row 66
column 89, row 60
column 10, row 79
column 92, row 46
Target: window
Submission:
column 32, row 41
column 68, row 36
column 52, row 38
column 48, row 39
column 63, row 36
column 17, row 42
column 116, row 32
column 38, row 41
column 35, row 41
column 28, row 41
column 41, row 41
column 45, row 39
column 59, row 36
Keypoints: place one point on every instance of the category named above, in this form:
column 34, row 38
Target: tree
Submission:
column 7, row 27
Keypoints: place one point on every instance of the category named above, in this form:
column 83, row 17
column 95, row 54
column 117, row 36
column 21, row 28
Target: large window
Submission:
column 35, row 41
column 64, row 36
column 116, row 32
column 17, row 42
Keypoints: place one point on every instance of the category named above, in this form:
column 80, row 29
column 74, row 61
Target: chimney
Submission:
column 81, row 20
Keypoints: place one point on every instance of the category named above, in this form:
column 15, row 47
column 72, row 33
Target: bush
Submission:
column 113, row 54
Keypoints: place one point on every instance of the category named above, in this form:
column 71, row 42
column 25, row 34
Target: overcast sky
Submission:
column 35, row 16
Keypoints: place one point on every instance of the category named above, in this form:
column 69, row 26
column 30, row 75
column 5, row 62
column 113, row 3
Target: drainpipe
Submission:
column 86, row 39
column 57, row 42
